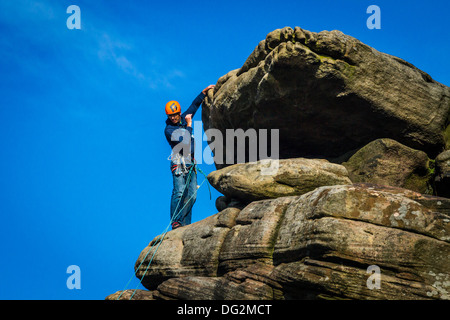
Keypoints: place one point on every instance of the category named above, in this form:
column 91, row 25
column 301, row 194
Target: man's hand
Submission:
column 204, row 91
column 188, row 120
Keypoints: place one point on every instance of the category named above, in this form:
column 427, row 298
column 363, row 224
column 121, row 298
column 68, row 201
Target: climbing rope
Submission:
column 160, row 238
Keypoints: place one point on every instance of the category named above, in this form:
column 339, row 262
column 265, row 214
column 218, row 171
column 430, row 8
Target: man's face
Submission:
column 175, row 118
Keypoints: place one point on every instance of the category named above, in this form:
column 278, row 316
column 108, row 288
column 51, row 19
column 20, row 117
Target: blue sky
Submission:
column 84, row 176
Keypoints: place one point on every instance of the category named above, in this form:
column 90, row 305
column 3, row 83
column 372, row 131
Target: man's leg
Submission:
column 177, row 194
column 191, row 196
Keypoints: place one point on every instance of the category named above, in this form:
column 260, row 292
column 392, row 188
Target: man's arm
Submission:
column 197, row 102
column 174, row 135
column 194, row 106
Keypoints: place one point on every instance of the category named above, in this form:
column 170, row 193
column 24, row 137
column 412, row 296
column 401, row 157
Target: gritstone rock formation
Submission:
column 317, row 245
column 329, row 94
column 244, row 182
column 353, row 197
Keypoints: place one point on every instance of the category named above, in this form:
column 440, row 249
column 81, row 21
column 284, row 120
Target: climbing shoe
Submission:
column 176, row 225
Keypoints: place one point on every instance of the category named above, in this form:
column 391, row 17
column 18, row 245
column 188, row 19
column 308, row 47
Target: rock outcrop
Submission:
column 329, row 94
column 387, row 162
column 318, row 245
column 246, row 182
column 350, row 211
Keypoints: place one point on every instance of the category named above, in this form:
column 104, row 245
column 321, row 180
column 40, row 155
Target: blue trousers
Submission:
column 183, row 201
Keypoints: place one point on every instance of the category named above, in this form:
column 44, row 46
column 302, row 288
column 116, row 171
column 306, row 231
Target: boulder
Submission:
column 388, row 162
column 223, row 202
column 330, row 237
column 328, row 94
column 325, row 244
column 247, row 181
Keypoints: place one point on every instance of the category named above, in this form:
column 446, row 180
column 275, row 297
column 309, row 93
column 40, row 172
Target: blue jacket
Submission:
column 186, row 132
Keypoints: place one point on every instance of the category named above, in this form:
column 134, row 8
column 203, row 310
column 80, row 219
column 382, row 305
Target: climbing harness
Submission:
column 181, row 164
column 192, row 168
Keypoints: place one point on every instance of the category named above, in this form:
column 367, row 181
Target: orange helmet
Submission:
column 172, row 107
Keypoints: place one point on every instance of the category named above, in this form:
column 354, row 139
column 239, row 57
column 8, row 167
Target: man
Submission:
column 178, row 133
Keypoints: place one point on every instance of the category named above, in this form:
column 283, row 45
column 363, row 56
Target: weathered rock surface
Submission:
column 328, row 94
column 315, row 229
column 343, row 230
column 131, row 295
column 192, row 251
column 247, row 181
column 442, row 179
column 317, row 245
column 387, row 162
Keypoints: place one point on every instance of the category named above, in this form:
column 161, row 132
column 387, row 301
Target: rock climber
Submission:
column 179, row 134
